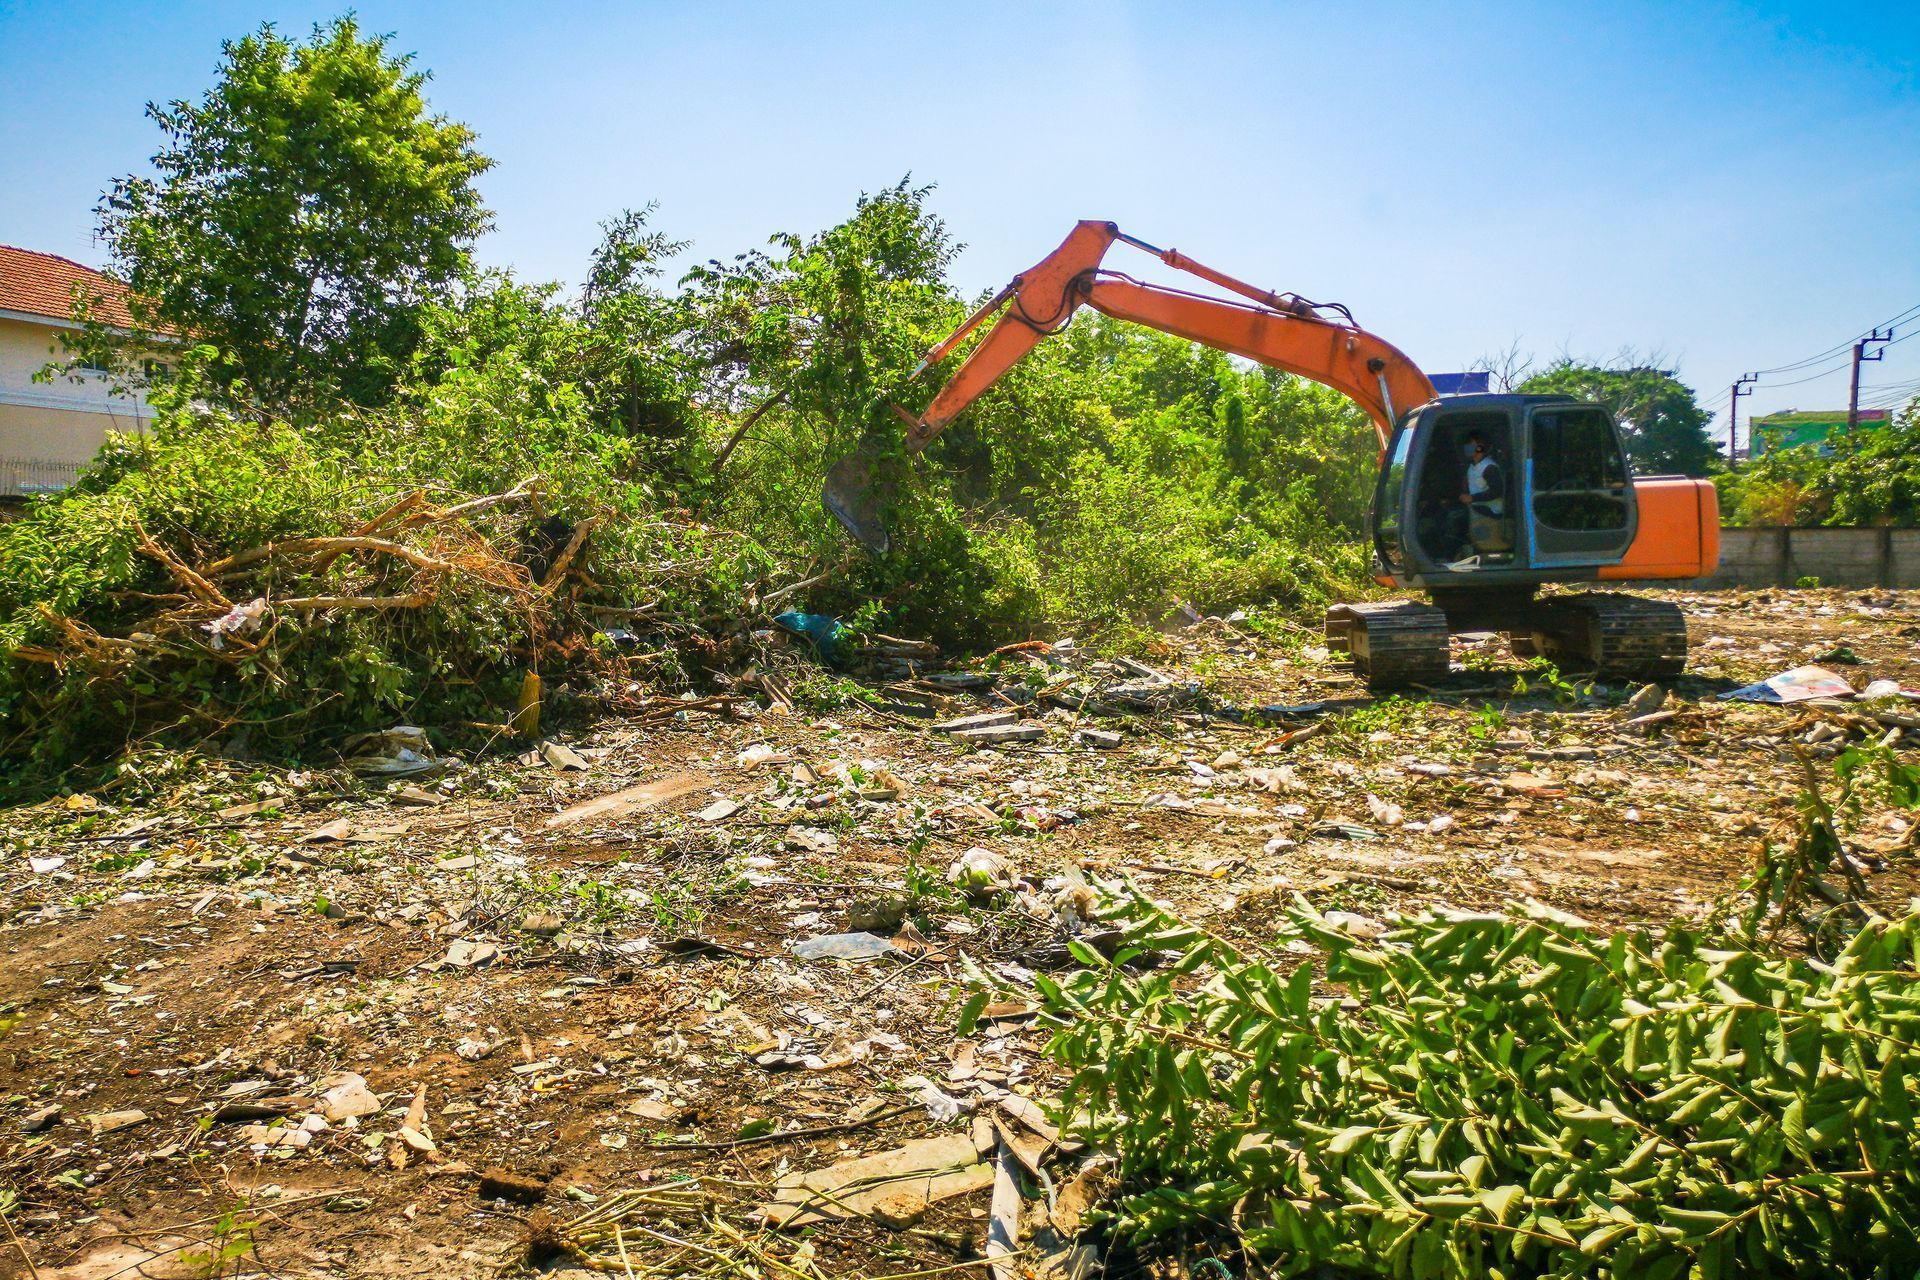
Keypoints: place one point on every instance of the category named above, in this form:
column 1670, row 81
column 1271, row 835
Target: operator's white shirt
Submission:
column 1480, row 490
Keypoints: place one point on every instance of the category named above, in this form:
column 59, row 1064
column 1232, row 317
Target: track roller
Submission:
column 1613, row 635
column 1392, row 645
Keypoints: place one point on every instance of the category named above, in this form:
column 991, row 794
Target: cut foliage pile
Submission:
column 1516, row 1095
column 247, row 587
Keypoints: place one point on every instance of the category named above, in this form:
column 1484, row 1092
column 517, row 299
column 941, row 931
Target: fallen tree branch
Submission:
column 182, row 574
column 733, row 441
column 558, row 571
column 413, row 601
column 788, row 590
column 525, row 489
column 332, row 546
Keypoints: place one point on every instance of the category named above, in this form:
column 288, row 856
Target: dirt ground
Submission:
column 599, row 1001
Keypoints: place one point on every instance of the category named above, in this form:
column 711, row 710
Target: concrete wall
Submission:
column 47, row 429
column 1779, row 557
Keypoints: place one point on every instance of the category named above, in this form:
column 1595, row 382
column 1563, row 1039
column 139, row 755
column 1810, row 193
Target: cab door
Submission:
column 1391, row 500
column 1578, row 493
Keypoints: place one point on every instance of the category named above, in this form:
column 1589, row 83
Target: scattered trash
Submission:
column 719, row 811
column 824, row 632
column 400, row 752
column 241, row 620
column 980, row 873
column 1797, row 685
column 561, row 756
column 845, row 946
column 759, row 754
column 813, row 839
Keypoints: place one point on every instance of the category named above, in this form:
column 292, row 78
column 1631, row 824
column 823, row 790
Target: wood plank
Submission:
column 621, row 804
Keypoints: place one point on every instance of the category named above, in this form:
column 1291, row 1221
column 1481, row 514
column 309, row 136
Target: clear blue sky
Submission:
column 1735, row 186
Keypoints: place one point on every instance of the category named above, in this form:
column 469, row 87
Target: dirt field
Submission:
column 603, row 1000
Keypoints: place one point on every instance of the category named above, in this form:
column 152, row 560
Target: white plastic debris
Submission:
column 241, row 620
column 941, row 1106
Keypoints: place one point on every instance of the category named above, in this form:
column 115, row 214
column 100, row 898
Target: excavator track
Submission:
column 1614, row 635
column 1392, row 645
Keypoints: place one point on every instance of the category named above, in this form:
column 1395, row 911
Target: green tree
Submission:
column 299, row 214
column 1664, row 426
column 1866, row 477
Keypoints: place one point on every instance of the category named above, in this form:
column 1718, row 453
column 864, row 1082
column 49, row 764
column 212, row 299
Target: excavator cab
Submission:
column 1559, row 500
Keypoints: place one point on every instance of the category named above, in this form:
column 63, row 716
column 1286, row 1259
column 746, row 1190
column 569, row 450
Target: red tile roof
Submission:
column 42, row 284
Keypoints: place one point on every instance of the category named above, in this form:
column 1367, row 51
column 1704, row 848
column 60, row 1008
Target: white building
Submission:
column 48, row 430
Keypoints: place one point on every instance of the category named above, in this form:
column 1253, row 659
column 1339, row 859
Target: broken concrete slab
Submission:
column 984, row 720
column 991, row 734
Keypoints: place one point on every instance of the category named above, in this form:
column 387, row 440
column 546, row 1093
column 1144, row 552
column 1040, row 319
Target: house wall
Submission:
column 48, row 429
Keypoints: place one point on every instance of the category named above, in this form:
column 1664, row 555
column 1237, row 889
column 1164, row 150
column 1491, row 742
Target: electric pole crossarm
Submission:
column 1742, row 386
column 1878, row 341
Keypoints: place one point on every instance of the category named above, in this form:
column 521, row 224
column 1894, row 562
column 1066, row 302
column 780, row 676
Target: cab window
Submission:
column 1579, row 472
column 1393, row 479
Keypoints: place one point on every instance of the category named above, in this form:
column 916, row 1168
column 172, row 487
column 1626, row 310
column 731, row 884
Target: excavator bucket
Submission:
column 857, row 499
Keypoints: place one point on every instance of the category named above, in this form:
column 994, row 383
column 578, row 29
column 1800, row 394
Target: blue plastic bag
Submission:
column 823, row 630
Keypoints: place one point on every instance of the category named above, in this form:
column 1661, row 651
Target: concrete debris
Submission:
column 345, row 1095
column 990, row 735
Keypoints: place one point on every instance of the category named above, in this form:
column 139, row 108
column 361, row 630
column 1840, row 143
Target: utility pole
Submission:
column 1878, row 340
column 1742, row 386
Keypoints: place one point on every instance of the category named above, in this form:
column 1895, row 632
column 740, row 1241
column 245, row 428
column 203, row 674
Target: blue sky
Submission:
column 1734, row 186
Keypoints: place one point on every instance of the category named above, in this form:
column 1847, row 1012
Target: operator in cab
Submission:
column 1483, row 493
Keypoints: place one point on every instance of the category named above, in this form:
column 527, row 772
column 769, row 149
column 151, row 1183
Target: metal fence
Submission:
column 21, row 477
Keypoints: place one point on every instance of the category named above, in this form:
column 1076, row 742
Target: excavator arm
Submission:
column 1277, row 329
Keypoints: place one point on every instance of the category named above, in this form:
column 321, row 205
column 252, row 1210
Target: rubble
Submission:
column 606, row 997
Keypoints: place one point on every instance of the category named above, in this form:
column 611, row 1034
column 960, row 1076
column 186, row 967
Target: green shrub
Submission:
column 1507, row 1095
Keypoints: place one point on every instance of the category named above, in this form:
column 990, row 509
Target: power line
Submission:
column 1815, row 377
column 1836, row 349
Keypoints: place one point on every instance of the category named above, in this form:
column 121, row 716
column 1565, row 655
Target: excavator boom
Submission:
column 1281, row 330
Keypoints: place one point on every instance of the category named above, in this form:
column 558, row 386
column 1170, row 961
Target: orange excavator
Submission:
column 1558, row 503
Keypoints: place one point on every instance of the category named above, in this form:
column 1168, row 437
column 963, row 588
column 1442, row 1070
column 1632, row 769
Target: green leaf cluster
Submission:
column 299, row 215
column 1507, row 1094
